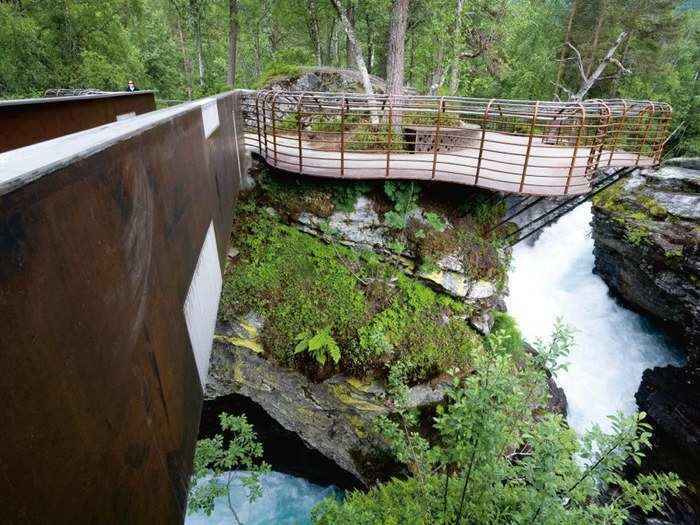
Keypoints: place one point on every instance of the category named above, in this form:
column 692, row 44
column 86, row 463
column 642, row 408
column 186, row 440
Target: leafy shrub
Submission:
column 496, row 461
column 404, row 196
column 435, row 221
column 277, row 71
column 345, row 195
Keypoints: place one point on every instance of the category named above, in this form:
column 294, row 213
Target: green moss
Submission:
column 278, row 71
column 376, row 314
column 296, row 282
column 507, row 327
column 652, row 207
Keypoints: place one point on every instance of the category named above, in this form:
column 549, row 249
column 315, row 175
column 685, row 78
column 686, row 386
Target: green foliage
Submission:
column 216, row 458
column 276, row 71
column 397, row 247
column 320, row 345
column 345, row 195
column 495, row 461
column 296, row 282
column 435, row 221
column 404, row 196
column 636, row 234
column 507, row 328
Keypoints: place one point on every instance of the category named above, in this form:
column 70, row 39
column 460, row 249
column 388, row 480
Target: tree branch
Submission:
column 579, row 60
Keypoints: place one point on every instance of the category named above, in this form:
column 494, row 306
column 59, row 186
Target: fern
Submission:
column 320, row 345
column 435, row 221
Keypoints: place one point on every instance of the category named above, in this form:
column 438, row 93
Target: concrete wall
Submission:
column 112, row 245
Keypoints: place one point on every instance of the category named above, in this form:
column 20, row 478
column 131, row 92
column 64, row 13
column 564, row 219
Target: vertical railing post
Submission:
column 529, row 145
column 274, row 129
column 342, row 137
column 436, row 140
column 659, row 145
column 483, row 137
column 646, row 131
column 264, row 105
column 388, row 139
column 617, row 132
column 299, row 110
column 601, row 133
column 257, row 119
column 576, row 146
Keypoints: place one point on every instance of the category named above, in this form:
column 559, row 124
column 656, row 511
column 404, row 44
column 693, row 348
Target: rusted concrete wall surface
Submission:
column 112, row 245
column 25, row 122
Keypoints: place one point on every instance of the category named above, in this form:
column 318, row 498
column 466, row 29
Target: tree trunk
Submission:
column 350, row 50
column 562, row 56
column 232, row 40
column 186, row 64
column 370, row 42
column 454, row 78
column 596, row 35
column 397, row 43
column 359, row 60
column 315, row 31
column 196, row 14
column 439, row 73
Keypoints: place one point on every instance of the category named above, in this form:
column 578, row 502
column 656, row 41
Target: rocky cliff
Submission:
column 647, row 248
column 404, row 279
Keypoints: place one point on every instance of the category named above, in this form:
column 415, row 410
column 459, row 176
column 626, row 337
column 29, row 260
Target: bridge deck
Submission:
column 526, row 147
column 500, row 169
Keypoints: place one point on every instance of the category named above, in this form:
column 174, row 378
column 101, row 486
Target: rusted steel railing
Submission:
column 529, row 147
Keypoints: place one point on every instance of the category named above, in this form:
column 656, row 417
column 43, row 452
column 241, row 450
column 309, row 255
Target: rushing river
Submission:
column 286, row 500
column 614, row 346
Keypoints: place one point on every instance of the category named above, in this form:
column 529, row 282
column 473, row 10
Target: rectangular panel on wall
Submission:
column 202, row 303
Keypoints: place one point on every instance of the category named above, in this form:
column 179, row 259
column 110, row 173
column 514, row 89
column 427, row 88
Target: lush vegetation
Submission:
column 327, row 307
column 492, row 459
column 490, row 48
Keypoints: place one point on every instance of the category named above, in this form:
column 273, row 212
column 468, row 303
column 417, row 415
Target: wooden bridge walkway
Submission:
column 532, row 148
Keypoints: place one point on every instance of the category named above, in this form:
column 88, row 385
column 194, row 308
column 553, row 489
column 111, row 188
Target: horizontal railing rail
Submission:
column 519, row 146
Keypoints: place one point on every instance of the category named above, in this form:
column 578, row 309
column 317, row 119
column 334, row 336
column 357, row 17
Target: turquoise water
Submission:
column 286, row 500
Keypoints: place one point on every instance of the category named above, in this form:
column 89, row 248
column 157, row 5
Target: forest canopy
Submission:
column 524, row 49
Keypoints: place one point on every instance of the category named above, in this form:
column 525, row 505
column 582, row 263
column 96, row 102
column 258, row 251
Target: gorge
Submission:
column 551, row 278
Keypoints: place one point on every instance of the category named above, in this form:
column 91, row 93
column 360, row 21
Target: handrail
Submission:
column 518, row 146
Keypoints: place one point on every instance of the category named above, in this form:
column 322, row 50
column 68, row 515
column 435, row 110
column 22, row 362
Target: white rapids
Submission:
column 614, row 346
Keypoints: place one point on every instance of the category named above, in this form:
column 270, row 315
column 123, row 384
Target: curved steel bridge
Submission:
column 515, row 146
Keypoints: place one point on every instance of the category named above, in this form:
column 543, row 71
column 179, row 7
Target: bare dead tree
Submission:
column 588, row 81
column 359, row 59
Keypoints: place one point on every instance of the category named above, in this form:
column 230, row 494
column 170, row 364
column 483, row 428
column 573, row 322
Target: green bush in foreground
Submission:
column 495, row 462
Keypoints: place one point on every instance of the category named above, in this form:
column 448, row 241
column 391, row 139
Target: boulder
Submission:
column 334, row 417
